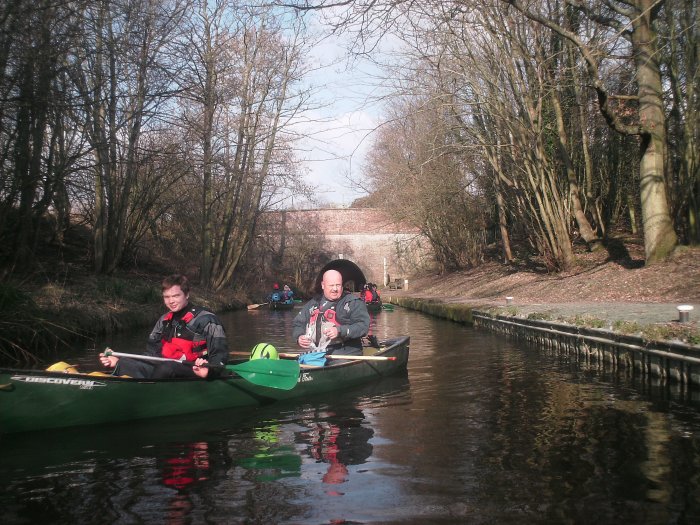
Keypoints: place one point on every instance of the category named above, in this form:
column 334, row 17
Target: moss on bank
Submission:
column 460, row 313
column 463, row 313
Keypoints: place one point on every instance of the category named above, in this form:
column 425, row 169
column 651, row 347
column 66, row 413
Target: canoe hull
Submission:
column 342, row 375
column 281, row 306
column 374, row 307
column 35, row 400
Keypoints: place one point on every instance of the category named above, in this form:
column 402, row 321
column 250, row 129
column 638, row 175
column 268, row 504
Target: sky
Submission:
column 340, row 130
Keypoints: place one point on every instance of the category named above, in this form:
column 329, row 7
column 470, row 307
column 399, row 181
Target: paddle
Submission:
column 332, row 356
column 264, row 372
column 254, row 306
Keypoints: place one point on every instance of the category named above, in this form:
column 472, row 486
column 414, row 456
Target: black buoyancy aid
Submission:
column 318, row 316
column 178, row 341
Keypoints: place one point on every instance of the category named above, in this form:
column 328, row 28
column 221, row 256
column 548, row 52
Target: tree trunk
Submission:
column 659, row 235
column 502, row 222
column 584, row 227
column 98, row 138
column 207, row 161
column 496, row 168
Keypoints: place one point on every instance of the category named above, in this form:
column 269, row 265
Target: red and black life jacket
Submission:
column 318, row 316
column 178, row 340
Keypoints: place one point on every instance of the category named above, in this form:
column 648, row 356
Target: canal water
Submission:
column 479, row 430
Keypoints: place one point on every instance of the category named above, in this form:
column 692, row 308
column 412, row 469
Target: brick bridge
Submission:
column 364, row 244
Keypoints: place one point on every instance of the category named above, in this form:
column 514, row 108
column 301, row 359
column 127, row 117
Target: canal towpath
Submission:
column 600, row 293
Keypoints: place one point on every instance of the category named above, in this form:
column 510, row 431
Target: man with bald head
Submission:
column 335, row 322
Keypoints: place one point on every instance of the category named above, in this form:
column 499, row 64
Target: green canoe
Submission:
column 37, row 399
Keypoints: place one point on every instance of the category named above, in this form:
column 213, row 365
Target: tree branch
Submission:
column 591, row 65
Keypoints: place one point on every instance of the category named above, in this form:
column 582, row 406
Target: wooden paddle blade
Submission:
column 254, row 306
column 271, row 373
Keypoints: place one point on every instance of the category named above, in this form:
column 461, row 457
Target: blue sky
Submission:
column 342, row 126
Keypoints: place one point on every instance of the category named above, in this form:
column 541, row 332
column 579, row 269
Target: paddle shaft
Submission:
column 333, row 356
column 264, row 372
column 150, row 358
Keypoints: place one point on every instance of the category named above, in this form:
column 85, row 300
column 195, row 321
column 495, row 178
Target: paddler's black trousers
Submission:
column 152, row 370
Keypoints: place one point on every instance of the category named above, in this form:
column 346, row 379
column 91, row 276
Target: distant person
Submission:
column 336, row 321
column 287, row 294
column 276, row 295
column 366, row 293
column 370, row 293
column 376, row 297
column 185, row 331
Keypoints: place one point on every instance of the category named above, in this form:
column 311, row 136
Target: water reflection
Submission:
column 272, row 458
column 480, row 430
column 189, row 466
column 338, row 440
column 334, row 439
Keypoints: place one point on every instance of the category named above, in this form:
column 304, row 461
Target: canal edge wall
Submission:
column 666, row 360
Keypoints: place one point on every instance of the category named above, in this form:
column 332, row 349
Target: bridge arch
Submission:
column 371, row 244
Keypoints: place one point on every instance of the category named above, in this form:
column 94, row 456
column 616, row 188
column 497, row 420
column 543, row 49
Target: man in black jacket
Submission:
column 335, row 322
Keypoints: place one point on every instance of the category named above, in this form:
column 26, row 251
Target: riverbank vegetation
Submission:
column 538, row 125
column 138, row 139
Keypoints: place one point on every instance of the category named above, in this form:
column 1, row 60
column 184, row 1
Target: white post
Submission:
column 684, row 312
column 384, row 280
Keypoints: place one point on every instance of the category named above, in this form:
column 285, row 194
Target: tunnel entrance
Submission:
column 353, row 277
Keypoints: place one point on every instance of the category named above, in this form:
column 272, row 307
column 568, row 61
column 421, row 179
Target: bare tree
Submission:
column 495, row 100
column 120, row 75
column 635, row 21
column 241, row 96
column 419, row 170
column 679, row 50
column 34, row 41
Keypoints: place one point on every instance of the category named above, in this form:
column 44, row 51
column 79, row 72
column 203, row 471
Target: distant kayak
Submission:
column 282, row 305
column 374, row 306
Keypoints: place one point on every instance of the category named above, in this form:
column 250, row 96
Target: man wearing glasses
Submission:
column 336, row 321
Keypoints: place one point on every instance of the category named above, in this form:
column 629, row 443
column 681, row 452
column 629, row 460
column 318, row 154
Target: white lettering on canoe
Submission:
column 305, row 377
column 84, row 384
